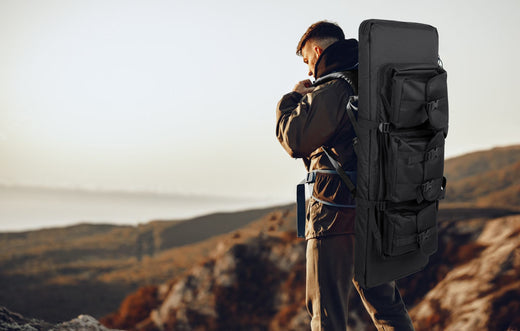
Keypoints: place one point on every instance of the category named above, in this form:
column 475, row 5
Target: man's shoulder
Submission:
column 334, row 85
column 339, row 79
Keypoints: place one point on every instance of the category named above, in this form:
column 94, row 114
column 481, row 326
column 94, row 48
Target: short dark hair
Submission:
column 320, row 30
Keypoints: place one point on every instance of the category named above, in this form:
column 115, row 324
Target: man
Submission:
column 312, row 119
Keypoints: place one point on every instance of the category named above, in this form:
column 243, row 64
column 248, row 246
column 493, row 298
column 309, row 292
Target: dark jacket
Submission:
column 305, row 123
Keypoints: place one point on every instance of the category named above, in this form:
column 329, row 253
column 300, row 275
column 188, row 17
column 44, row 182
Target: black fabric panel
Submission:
column 383, row 43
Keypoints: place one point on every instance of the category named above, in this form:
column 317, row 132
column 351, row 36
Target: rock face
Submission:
column 243, row 287
column 484, row 292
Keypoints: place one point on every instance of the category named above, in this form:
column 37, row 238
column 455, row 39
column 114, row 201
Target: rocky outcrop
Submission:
column 91, row 268
column 135, row 308
column 258, row 283
column 242, row 287
column 10, row 321
column 81, row 323
column 255, row 284
column 483, row 293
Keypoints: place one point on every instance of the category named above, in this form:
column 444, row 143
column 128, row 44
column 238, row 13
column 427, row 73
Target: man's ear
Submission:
column 318, row 50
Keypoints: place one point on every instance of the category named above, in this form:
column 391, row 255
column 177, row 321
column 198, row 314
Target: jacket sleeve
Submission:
column 304, row 123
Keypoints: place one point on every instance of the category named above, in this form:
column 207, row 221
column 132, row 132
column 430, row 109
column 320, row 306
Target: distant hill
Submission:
column 90, row 268
column 479, row 162
column 485, row 178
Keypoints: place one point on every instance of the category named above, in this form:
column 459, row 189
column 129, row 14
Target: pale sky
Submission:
column 180, row 96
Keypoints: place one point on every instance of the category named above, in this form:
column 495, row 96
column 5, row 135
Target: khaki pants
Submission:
column 330, row 272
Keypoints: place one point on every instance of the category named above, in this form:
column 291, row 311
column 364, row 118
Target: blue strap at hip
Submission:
column 300, row 198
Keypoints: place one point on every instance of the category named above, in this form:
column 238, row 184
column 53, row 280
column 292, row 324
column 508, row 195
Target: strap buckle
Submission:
column 384, row 127
column 381, row 205
column 432, row 105
column 311, row 177
column 352, row 102
column 432, row 154
column 427, row 186
column 423, row 236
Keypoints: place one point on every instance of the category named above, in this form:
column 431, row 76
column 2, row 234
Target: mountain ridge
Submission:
column 488, row 178
column 471, row 163
column 50, row 264
column 91, row 270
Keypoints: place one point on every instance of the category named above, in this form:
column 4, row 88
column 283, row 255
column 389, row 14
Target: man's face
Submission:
column 310, row 53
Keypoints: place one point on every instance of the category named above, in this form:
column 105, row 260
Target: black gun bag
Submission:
column 402, row 122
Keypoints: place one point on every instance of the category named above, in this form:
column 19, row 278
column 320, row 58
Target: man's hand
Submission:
column 304, row 87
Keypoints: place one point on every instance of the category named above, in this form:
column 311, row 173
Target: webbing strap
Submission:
column 338, row 75
column 424, row 191
column 431, row 154
column 358, row 122
column 350, row 112
column 301, row 213
column 367, row 204
column 333, row 204
column 311, row 178
column 406, row 240
column 418, row 238
column 346, row 179
column 372, row 226
column 375, row 233
column 436, row 104
column 368, row 124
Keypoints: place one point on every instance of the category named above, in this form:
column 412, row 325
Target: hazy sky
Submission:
column 180, row 95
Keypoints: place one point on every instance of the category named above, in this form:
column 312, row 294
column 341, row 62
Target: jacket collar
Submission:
column 340, row 56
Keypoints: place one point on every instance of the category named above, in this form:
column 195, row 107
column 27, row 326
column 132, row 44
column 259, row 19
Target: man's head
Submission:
column 316, row 39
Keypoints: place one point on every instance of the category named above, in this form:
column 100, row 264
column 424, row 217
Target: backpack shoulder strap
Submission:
column 348, row 76
column 350, row 185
